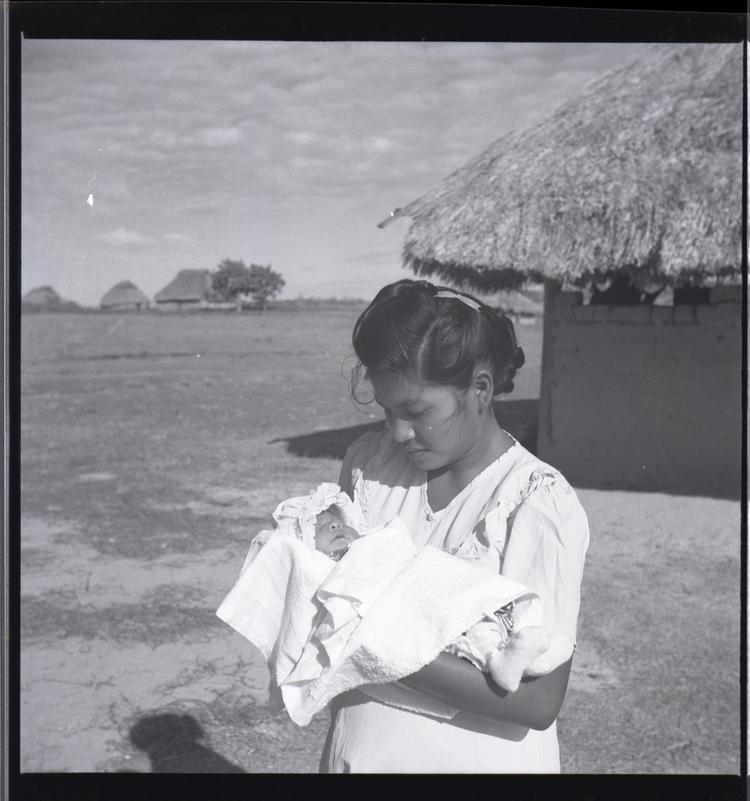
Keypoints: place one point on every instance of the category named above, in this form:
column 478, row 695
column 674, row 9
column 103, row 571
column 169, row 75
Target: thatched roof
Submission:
column 641, row 172
column 42, row 296
column 124, row 294
column 187, row 285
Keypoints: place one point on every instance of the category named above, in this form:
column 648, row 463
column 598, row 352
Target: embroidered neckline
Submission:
column 433, row 514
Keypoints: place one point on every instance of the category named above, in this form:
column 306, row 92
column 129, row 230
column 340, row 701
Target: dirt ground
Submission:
column 154, row 447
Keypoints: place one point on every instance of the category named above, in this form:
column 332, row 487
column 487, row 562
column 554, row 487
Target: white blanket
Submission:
column 381, row 613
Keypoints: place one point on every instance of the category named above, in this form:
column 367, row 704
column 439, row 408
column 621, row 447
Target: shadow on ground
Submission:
column 172, row 744
column 517, row 417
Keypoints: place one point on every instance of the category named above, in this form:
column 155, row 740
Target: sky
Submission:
column 280, row 153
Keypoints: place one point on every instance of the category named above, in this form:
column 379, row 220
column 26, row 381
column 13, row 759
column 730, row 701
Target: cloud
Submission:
column 381, row 144
column 378, row 256
column 259, row 143
column 122, row 237
column 173, row 113
column 222, row 137
column 301, row 137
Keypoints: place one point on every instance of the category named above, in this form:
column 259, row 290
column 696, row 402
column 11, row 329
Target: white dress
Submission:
column 520, row 517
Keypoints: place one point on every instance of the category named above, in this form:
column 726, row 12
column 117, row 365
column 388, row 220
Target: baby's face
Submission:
column 331, row 533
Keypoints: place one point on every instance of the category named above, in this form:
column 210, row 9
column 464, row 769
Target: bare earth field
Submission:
column 154, row 447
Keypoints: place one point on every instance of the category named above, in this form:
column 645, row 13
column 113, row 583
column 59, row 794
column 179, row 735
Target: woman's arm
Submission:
column 459, row 684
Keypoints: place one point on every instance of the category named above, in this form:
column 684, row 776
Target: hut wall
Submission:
column 643, row 398
column 179, row 305
column 129, row 306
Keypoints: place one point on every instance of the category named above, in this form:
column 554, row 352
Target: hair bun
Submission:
column 507, row 323
column 519, row 358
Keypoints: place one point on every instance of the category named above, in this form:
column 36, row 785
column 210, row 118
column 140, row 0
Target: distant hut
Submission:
column 190, row 289
column 124, row 296
column 42, row 297
column 641, row 176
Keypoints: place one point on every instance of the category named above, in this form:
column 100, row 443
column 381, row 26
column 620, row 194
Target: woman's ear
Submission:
column 484, row 388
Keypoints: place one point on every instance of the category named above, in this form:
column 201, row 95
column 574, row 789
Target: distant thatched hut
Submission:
column 42, row 297
column 124, row 296
column 190, row 289
column 639, row 175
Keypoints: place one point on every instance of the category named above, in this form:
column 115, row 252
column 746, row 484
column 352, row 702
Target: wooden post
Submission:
column 544, row 436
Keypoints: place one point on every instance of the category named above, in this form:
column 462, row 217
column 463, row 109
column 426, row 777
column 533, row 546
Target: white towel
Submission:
column 381, row 613
column 273, row 602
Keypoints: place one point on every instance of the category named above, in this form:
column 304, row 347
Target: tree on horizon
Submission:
column 267, row 283
column 234, row 280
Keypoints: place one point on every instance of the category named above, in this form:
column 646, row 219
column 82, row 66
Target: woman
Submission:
column 436, row 359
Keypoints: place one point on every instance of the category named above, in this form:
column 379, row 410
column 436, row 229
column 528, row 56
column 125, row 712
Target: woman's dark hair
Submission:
column 442, row 335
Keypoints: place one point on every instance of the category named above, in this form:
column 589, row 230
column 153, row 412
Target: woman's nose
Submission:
column 402, row 430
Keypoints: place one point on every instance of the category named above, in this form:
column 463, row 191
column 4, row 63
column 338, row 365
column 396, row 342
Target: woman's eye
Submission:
column 407, row 414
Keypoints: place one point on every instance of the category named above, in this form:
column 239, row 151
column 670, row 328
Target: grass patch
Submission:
column 168, row 613
column 265, row 410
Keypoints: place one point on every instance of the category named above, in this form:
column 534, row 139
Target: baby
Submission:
column 491, row 644
column 332, row 535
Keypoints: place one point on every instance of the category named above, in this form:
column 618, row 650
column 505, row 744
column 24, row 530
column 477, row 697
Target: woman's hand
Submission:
column 535, row 704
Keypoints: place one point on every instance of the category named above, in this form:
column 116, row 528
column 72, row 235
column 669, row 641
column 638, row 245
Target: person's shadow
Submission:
column 171, row 743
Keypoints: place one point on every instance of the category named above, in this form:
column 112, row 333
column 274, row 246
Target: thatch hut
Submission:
column 124, row 296
column 640, row 174
column 189, row 289
column 42, row 297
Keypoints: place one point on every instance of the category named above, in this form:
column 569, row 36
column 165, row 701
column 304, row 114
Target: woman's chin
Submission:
column 421, row 457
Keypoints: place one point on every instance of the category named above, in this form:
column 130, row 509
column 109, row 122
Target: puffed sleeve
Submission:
column 546, row 548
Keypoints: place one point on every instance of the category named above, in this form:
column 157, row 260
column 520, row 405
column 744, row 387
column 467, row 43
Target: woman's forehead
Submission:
column 401, row 389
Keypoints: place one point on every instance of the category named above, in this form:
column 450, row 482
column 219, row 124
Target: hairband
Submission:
column 449, row 293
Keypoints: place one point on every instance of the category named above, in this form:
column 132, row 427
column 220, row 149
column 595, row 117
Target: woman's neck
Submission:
column 489, row 446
